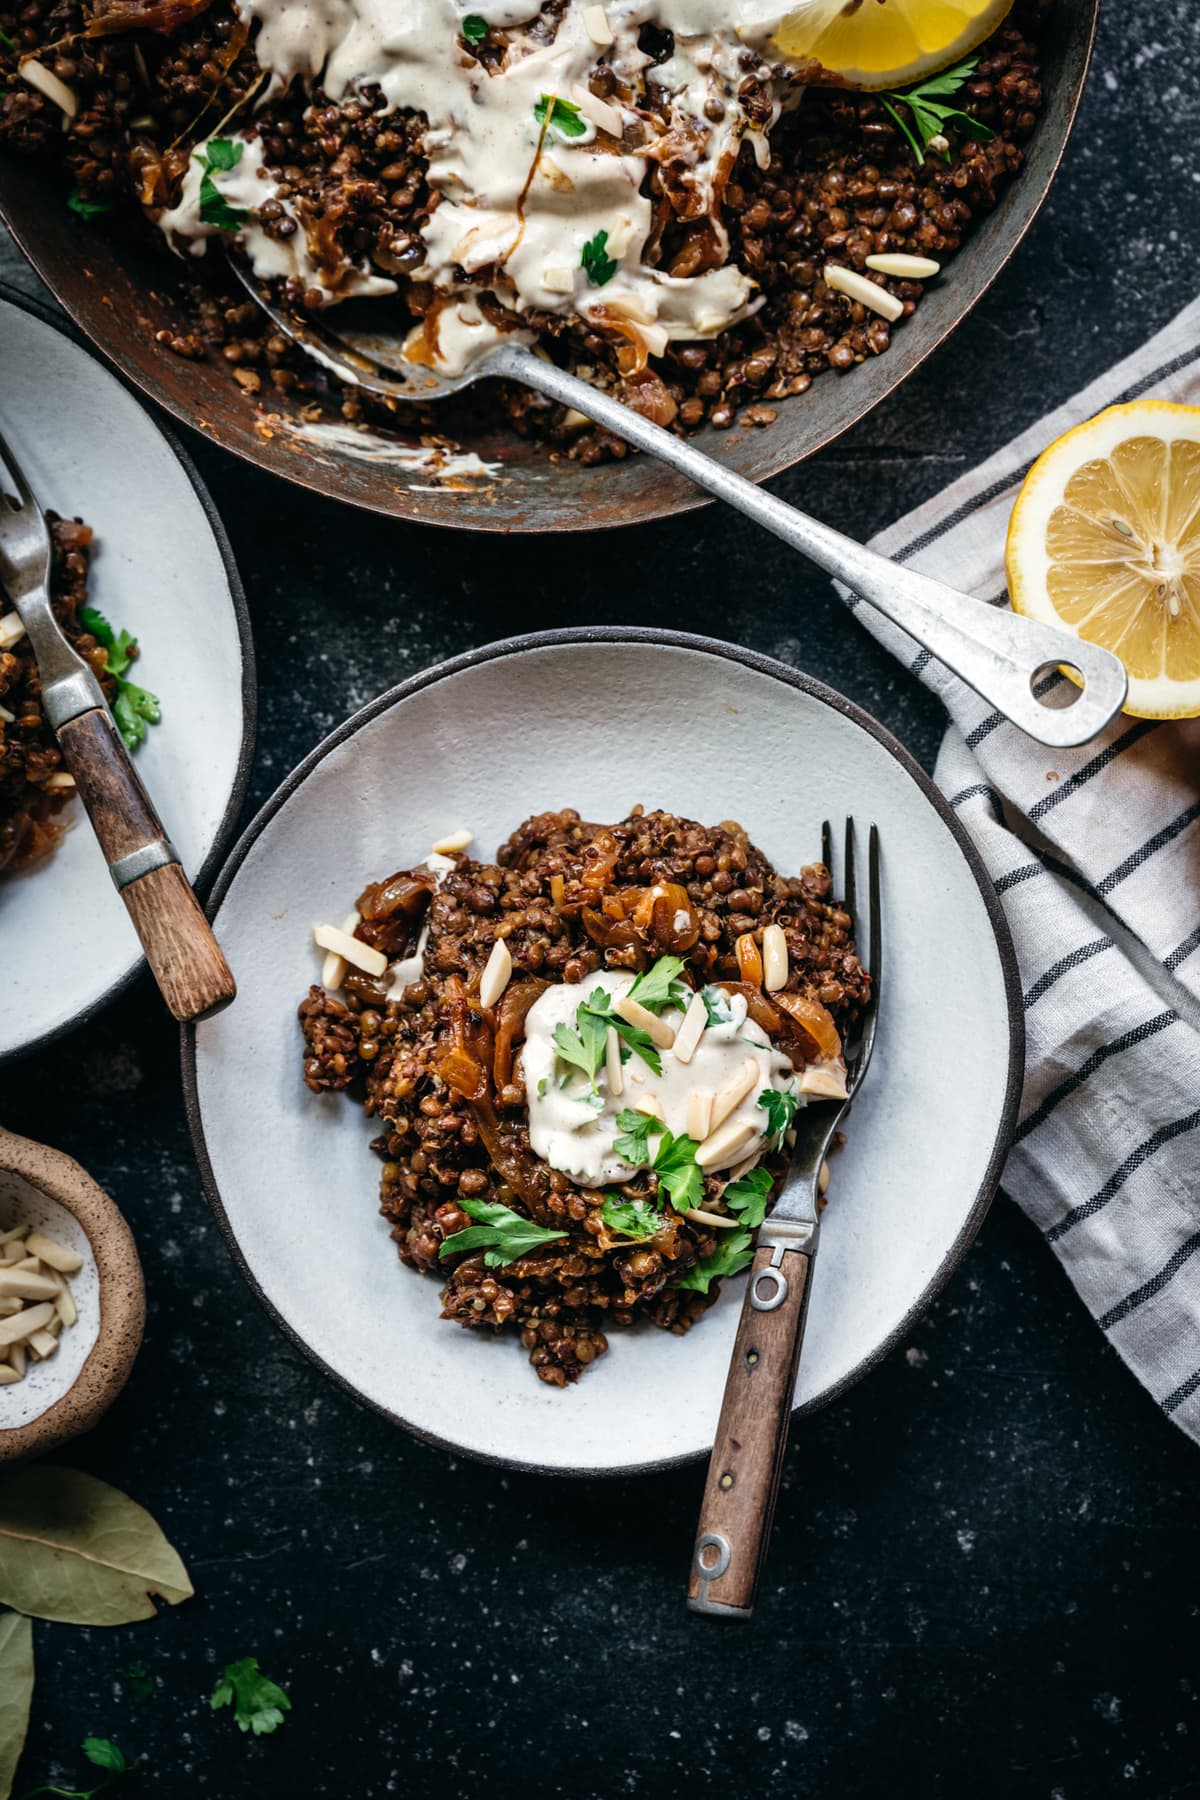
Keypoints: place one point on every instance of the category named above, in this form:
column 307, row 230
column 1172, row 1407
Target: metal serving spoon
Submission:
column 1003, row 656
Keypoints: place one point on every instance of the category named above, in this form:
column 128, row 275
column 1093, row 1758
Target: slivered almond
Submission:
column 733, row 1093
column 612, row 1062
column 775, row 958
column 13, row 1253
column 333, row 969
column 651, row 1105
column 725, row 1145
column 54, row 1253
column 557, row 884
column 47, row 82
column 602, row 115
column 9, row 1306
column 6, row 717
column 7, row 1375
column 453, row 842
column 857, row 287
column 11, row 630
column 496, row 973
column 595, row 23
column 699, row 1114
column 17, row 1233
column 23, row 1324
column 16, row 1357
column 823, row 1084
column 903, row 267
column 745, row 1166
column 823, row 1179
column 359, row 956
column 60, row 779
column 24, row 1284
column 43, row 1343
column 64, row 1306
column 706, row 1218
column 656, row 1029
column 28, row 1262
column 691, row 1030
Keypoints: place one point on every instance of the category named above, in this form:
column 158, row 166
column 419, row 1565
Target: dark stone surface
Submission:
column 984, row 1575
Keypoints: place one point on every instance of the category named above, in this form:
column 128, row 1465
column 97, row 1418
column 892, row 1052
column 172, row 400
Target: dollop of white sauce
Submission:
column 512, row 195
column 567, row 1128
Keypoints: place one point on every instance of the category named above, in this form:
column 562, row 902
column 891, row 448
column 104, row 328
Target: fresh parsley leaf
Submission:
column 596, row 263
column 139, row 1681
column 731, row 1255
column 679, row 1175
column 220, row 154
column 561, row 114
column 748, row 1198
column 716, row 1005
column 639, row 1041
column 474, row 29
column 259, row 1705
column 583, row 1048
column 543, row 1084
column 502, row 1233
column 660, row 985
column 633, row 1141
column 105, row 1754
column 928, row 116
column 9, row 43
column 133, row 707
column 632, row 1218
column 780, row 1110
column 86, row 209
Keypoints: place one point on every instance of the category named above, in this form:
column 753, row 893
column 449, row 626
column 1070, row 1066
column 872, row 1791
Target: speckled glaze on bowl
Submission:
column 600, row 720
column 73, row 1389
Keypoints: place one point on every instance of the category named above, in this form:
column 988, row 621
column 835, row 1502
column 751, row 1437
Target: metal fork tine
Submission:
column 849, row 881
column 17, row 475
column 827, row 846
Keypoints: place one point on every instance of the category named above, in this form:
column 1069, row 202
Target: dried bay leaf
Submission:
column 78, row 1551
column 16, row 1692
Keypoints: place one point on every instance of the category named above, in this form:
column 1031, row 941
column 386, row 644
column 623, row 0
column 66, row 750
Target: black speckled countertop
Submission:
column 985, row 1575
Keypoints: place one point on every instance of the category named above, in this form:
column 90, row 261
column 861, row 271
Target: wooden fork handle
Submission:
column 747, row 1457
column 184, row 956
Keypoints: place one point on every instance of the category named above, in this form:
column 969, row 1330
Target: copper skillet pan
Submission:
column 119, row 293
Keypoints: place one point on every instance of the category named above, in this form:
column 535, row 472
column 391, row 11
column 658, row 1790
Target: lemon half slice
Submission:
column 886, row 43
column 1105, row 540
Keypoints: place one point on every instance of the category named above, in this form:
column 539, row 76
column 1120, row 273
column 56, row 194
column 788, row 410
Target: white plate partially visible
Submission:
column 600, row 721
column 162, row 570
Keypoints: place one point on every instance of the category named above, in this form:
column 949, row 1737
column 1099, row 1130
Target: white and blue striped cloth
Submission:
column 1096, row 856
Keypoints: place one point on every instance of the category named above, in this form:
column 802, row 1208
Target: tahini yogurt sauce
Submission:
column 503, row 202
column 568, row 1131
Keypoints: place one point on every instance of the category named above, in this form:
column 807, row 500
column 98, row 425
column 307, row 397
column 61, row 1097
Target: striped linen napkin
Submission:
column 1096, row 856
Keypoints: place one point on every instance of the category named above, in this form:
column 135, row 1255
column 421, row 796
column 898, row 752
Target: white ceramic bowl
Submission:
column 163, row 570
column 600, row 720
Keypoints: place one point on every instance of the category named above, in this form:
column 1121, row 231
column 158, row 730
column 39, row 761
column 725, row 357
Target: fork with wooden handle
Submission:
column 186, row 960
column 747, row 1458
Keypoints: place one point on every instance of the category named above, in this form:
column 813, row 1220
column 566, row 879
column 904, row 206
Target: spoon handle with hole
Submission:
column 998, row 653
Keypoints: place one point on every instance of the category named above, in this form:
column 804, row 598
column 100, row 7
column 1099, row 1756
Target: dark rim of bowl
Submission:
column 766, row 665
column 46, row 315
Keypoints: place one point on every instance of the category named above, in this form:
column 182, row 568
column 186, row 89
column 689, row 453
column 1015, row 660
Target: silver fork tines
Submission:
column 68, row 686
column 818, row 1121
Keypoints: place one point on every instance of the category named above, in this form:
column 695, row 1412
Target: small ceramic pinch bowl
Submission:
column 70, row 1391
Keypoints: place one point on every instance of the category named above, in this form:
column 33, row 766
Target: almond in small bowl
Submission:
column 72, row 1301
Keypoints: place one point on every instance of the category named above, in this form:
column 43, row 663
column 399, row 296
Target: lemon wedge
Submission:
column 1105, row 541
column 886, row 43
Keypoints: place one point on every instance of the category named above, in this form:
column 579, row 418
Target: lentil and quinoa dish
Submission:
column 642, row 188
column 583, row 1061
